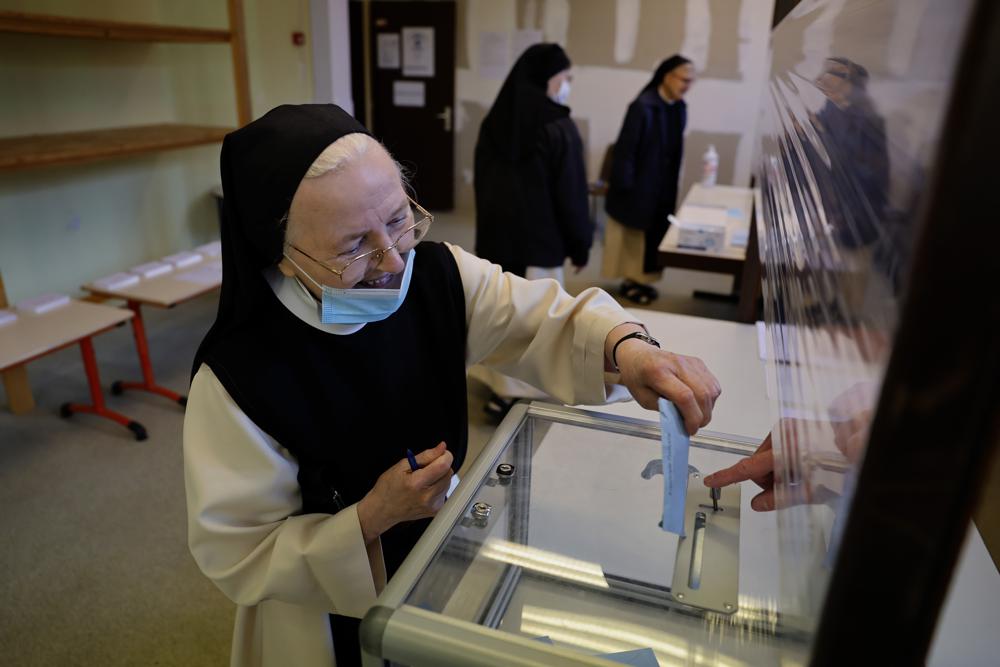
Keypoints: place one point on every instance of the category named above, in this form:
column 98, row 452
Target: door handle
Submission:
column 446, row 117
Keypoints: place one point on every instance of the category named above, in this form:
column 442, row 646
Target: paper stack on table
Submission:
column 739, row 238
column 116, row 281
column 700, row 227
column 43, row 303
column 152, row 269
column 183, row 259
column 212, row 249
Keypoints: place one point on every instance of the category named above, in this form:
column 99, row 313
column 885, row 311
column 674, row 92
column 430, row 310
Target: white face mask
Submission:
column 562, row 95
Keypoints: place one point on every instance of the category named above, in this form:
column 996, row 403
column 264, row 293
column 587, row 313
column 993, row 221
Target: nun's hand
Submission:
column 401, row 494
column 650, row 373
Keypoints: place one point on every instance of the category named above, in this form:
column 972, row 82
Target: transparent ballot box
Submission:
column 551, row 553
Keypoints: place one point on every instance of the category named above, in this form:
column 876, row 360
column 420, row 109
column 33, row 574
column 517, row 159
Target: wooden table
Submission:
column 741, row 205
column 164, row 291
column 33, row 336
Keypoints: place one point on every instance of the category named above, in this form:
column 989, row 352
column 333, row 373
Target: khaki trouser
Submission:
column 624, row 249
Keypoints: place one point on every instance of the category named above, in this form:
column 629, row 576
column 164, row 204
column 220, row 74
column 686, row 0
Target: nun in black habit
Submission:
column 530, row 178
column 645, row 170
column 340, row 343
column 531, row 188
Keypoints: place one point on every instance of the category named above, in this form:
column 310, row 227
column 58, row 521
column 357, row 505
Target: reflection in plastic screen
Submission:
column 851, row 120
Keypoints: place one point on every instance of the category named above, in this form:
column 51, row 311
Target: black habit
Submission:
column 646, row 165
column 530, row 179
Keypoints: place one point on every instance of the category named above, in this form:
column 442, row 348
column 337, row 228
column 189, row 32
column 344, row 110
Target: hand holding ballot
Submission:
column 651, row 373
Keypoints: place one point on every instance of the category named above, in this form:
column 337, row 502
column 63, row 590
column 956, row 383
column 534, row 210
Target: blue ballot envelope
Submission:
column 675, row 442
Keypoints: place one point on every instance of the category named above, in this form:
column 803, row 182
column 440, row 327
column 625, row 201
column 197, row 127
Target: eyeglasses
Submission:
column 355, row 269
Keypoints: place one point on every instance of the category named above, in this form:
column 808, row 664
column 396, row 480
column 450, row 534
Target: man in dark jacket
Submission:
column 644, row 178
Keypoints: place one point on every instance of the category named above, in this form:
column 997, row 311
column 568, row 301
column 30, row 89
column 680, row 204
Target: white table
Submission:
column 164, row 291
column 729, row 349
column 736, row 201
column 35, row 335
column 966, row 632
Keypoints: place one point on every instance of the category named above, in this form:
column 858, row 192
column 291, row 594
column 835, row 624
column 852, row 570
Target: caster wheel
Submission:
column 116, row 388
column 139, row 430
column 182, row 401
column 65, row 411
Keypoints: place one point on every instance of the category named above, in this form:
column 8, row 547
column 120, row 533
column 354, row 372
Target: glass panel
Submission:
column 851, row 122
column 572, row 550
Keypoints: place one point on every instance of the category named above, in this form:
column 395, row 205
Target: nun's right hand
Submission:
column 401, row 494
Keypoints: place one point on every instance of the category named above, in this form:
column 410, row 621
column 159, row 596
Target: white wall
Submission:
column 63, row 226
column 601, row 93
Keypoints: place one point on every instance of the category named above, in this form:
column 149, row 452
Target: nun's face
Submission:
column 678, row 81
column 343, row 214
column 556, row 82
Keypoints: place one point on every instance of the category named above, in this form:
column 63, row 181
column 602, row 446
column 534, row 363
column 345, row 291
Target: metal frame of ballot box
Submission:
column 395, row 630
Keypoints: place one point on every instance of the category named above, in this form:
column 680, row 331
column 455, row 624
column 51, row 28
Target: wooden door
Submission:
column 411, row 64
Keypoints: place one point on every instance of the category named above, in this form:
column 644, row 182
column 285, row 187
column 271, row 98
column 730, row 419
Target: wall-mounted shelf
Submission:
column 63, row 26
column 74, row 147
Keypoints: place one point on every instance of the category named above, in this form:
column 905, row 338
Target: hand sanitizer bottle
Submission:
column 710, row 166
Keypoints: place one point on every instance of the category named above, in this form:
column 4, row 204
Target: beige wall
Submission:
column 615, row 45
column 62, row 226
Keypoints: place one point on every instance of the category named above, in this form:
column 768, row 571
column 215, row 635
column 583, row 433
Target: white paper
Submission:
column 203, row 275
column 522, row 39
column 43, row 303
column 183, row 259
column 388, row 50
column 418, row 52
column 116, row 281
column 409, row 94
column 702, row 215
column 7, row 317
column 212, row 249
column 493, row 55
column 739, row 237
column 152, row 269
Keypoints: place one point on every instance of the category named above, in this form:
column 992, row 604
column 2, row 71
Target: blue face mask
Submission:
column 360, row 305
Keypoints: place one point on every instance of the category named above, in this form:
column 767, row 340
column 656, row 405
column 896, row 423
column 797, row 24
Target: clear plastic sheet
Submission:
column 850, row 125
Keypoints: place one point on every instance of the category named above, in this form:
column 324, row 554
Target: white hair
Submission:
column 341, row 153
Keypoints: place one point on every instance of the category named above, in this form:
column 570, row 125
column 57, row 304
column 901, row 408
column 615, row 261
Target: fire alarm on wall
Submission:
column 298, row 38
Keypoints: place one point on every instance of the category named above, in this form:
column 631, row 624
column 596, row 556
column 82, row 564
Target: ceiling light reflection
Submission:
column 546, row 562
column 600, row 633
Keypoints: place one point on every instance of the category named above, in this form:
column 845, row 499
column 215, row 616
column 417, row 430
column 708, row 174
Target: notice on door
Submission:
column 418, row 52
column 409, row 94
column 388, row 50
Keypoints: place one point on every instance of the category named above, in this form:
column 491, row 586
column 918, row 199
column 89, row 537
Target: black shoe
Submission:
column 637, row 293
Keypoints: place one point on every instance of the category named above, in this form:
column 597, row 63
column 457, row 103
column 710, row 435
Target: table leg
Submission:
column 142, row 347
column 97, row 406
column 15, row 382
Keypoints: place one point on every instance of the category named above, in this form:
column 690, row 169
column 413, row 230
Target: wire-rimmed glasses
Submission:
column 355, row 269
